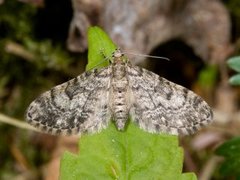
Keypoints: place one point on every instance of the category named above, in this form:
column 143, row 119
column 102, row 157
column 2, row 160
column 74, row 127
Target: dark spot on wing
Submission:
column 169, row 95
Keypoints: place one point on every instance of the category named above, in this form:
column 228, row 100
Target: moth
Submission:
column 87, row 103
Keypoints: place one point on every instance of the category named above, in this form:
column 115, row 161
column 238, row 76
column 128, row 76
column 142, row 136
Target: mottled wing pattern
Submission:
column 77, row 106
column 159, row 105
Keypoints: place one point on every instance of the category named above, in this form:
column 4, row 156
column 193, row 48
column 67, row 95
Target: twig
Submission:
column 16, row 122
column 209, row 168
column 19, row 50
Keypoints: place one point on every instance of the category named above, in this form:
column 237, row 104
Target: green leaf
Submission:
column 234, row 63
column 100, row 48
column 133, row 154
column 231, row 151
column 130, row 154
column 235, row 80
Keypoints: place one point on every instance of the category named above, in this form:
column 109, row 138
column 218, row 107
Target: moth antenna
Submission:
column 145, row 55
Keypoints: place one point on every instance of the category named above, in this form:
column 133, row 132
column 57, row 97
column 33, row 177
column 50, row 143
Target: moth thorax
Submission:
column 119, row 71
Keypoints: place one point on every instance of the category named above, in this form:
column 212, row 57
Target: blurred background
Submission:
column 44, row 43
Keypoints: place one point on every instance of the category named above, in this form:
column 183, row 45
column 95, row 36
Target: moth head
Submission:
column 119, row 56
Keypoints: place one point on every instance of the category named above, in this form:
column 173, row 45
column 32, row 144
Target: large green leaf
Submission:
column 100, row 48
column 133, row 154
column 130, row 154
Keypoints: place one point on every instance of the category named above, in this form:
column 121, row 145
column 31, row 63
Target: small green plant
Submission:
column 230, row 150
column 234, row 63
column 207, row 76
column 131, row 154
